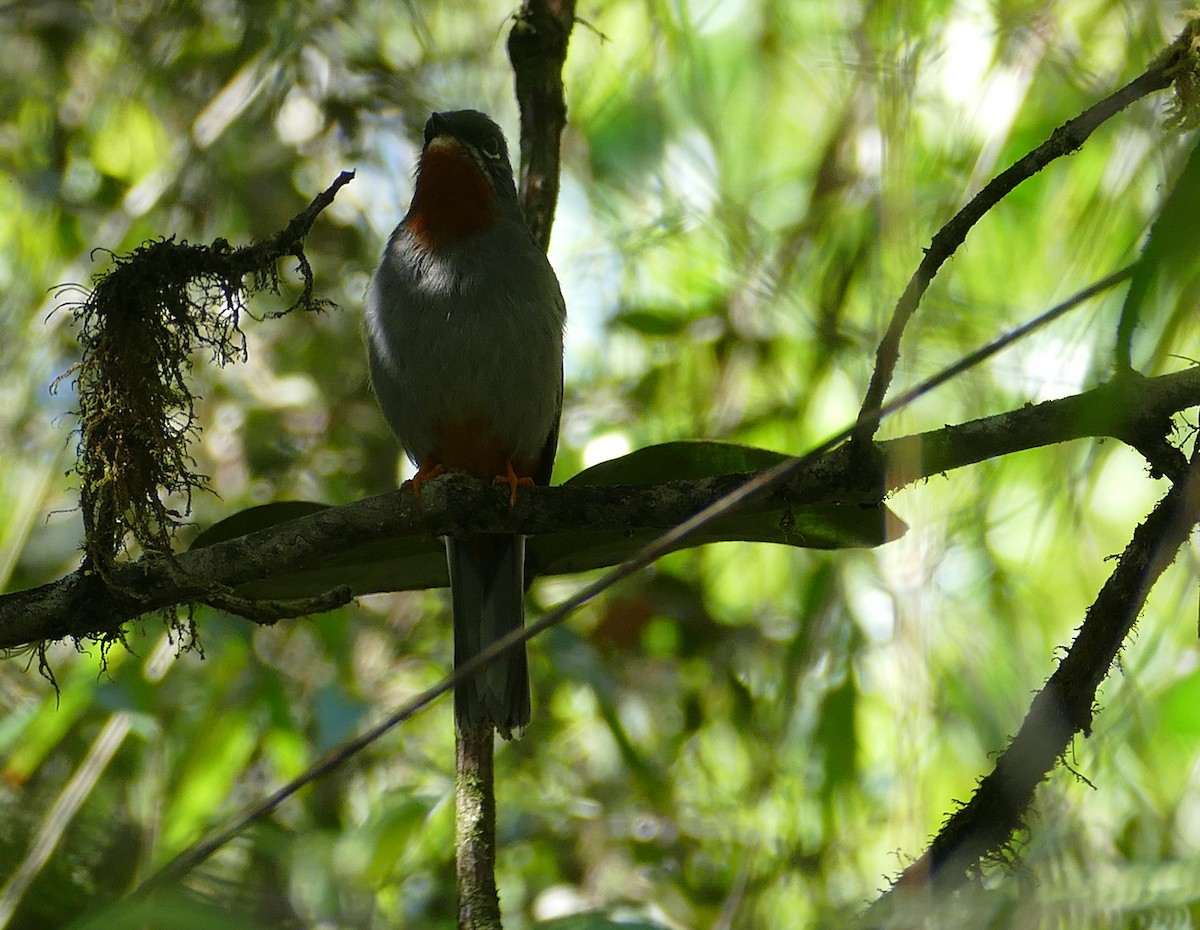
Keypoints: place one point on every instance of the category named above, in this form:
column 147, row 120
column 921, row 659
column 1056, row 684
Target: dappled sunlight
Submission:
column 745, row 734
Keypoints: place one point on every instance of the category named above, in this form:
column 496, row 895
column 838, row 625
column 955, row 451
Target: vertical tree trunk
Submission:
column 475, row 830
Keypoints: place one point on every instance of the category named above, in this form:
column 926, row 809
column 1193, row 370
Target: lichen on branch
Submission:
column 1181, row 60
column 140, row 326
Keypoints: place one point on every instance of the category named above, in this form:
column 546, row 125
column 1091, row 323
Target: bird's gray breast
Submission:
column 470, row 333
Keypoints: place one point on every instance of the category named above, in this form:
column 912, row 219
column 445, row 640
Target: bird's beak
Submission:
column 437, row 131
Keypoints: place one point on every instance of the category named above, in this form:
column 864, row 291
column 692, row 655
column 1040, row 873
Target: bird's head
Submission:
column 464, row 180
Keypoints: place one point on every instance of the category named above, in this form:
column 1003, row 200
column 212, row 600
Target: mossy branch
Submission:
column 139, row 327
column 982, row 830
column 80, row 605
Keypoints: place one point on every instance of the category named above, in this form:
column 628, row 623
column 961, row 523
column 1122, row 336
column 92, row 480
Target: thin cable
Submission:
column 760, row 483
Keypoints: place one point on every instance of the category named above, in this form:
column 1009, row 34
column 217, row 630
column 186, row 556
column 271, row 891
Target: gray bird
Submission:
column 465, row 336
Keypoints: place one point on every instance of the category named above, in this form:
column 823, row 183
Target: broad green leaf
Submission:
column 678, row 461
column 411, row 563
column 402, row 564
column 830, row 526
column 256, row 518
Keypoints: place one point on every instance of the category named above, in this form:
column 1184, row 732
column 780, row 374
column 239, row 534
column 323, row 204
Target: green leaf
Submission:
column 1177, row 709
column 1169, row 257
column 253, row 519
column 411, row 563
column 652, row 322
column 678, row 461
column 405, row 563
column 829, row 526
column 837, row 735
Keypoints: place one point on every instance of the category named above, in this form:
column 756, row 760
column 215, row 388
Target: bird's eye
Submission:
column 491, row 147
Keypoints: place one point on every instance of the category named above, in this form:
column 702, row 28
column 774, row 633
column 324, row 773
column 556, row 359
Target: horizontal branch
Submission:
column 1132, row 409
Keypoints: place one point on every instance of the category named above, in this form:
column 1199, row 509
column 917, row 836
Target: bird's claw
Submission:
column 424, row 473
column 514, row 481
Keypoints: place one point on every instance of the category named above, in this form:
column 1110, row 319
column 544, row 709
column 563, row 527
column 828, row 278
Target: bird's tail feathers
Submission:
column 488, row 597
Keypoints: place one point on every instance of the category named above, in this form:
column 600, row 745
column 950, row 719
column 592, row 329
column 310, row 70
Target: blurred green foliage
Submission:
column 749, row 736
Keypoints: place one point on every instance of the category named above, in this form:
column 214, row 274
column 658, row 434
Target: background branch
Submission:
column 1066, row 139
column 1064, row 707
column 537, row 48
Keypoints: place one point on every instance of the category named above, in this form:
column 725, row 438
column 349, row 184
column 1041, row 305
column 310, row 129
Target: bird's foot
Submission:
column 427, row 472
column 514, row 481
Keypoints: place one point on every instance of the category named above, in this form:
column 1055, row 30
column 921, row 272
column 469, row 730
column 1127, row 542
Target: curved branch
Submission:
column 1065, row 140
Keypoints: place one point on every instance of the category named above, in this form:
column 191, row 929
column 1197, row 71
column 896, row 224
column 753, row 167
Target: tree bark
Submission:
column 475, row 829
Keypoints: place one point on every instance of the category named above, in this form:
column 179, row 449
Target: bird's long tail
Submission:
column 488, row 596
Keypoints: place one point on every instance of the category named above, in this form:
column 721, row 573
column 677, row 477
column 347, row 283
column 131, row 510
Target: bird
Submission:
column 464, row 328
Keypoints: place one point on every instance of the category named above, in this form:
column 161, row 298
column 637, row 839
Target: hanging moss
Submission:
column 140, row 327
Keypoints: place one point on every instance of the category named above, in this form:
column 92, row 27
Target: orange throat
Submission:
column 453, row 197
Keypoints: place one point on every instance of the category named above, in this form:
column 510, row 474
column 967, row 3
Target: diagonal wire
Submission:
column 760, row 483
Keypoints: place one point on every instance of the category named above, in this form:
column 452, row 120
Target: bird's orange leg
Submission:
column 514, row 481
column 426, row 472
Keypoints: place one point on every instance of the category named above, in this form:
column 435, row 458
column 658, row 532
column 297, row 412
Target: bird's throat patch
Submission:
column 453, row 197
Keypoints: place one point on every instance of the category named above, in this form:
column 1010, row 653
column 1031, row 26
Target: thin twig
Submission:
column 1066, row 139
column 1167, row 256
